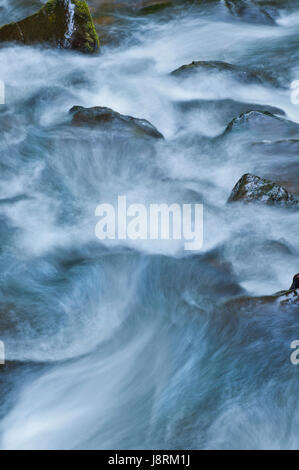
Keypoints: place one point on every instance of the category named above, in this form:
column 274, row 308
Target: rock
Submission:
column 100, row 116
column 295, row 284
column 253, row 188
column 237, row 72
column 224, row 110
column 288, row 298
column 284, row 298
column 251, row 11
column 262, row 125
column 263, row 304
column 60, row 23
column 270, row 142
column 228, row 107
column 288, row 147
column 155, row 7
column 278, row 160
column 140, row 6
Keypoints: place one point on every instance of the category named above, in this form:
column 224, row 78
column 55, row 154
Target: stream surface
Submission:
column 124, row 345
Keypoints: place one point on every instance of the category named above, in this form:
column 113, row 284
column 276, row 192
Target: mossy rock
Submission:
column 60, row 23
column 252, row 188
column 99, row 116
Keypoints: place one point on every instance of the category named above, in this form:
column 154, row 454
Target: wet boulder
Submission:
column 251, row 188
column 262, row 125
column 295, row 284
column 269, row 142
column 64, row 24
column 289, row 147
column 236, row 72
column 107, row 118
column 251, row 11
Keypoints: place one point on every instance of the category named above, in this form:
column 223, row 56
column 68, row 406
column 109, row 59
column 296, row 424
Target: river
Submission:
column 126, row 345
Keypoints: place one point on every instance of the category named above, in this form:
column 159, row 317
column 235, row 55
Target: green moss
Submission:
column 52, row 18
column 253, row 188
column 50, row 24
column 82, row 7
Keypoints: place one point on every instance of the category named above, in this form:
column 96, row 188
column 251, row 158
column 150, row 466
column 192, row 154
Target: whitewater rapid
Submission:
column 124, row 345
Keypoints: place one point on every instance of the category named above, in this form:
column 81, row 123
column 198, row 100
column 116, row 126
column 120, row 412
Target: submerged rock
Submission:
column 101, row 116
column 237, row 72
column 289, row 147
column 278, row 160
column 271, row 144
column 155, row 7
column 251, row 11
column 227, row 107
column 262, row 124
column 224, row 110
column 59, row 23
column 264, row 304
column 253, row 188
column 261, row 305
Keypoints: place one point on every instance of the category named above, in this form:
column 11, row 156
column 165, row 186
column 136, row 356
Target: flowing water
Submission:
column 126, row 345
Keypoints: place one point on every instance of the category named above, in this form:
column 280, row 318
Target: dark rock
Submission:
column 242, row 74
column 253, row 188
column 249, row 10
column 288, row 298
column 295, row 284
column 59, row 23
column 100, row 116
column 263, row 125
